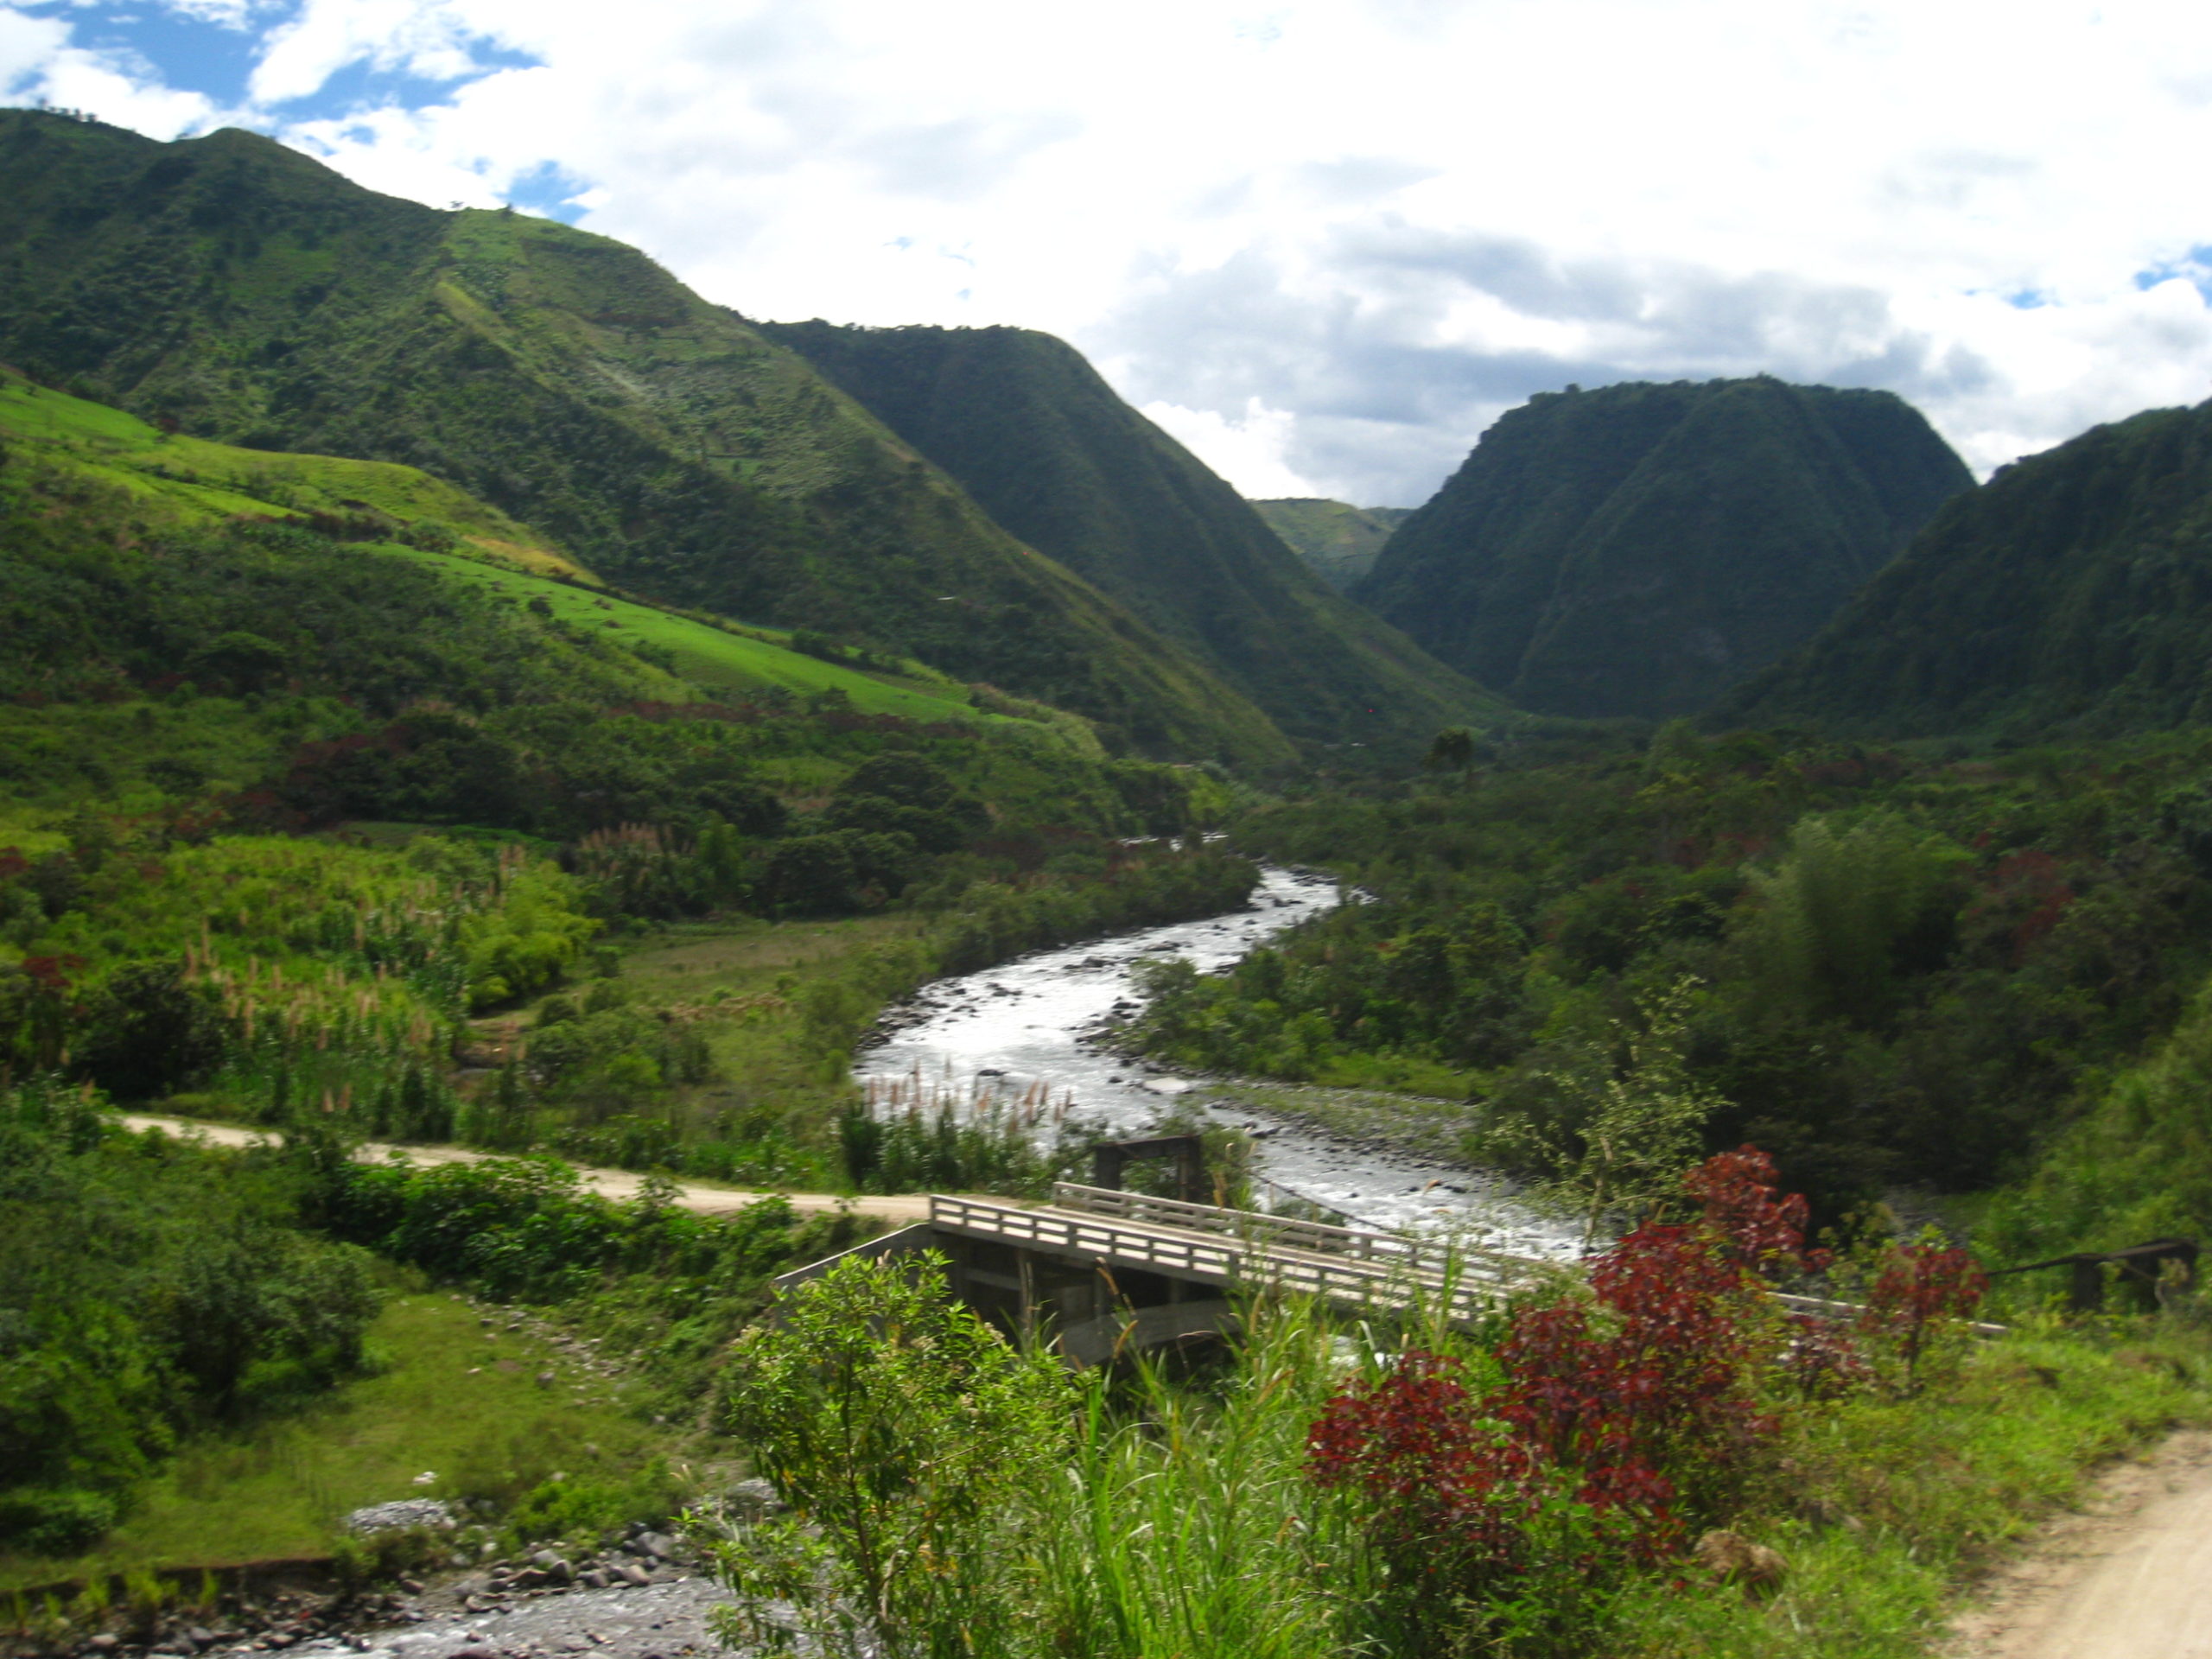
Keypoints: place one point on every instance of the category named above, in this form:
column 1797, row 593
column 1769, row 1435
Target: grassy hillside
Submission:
column 1036, row 436
column 400, row 511
column 249, row 295
column 1638, row 549
column 1337, row 541
column 280, row 812
column 2071, row 594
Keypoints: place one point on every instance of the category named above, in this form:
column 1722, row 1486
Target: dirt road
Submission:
column 2127, row 1576
column 703, row 1197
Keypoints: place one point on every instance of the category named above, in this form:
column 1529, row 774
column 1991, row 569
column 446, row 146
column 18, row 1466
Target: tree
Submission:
column 1451, row 750
column 901, row 1430
column 1631, row 1123
column 152, row 1031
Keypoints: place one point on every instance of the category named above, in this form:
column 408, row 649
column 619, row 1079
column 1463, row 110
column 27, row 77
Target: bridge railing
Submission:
column 1219, row 1258
column 1394, row 1248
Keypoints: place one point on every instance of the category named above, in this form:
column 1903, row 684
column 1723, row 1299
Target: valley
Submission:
column 534, row 805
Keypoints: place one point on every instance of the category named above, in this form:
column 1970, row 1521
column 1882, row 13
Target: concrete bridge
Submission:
column 1098, row 1273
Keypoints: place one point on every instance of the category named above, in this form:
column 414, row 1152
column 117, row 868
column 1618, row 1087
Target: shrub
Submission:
column 55, row 1521
column 1619, row 1419
column 902, row 1430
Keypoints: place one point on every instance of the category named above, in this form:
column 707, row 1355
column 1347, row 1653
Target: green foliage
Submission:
column 148, row 1289
column 1625, row 1120
column 2061, row 600
column 279, row 974
column 1850, row 913
column 1337, row 541
column 1916, row 967
column 904, row 1433
column 250, row 295
column 1049, row 451
column 1639, row 549
column 2134, row 1167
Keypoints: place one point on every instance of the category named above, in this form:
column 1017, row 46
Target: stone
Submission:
column 754, row 1499
column 105, row 1642
column 400, row 1515
column 1733, row 1559
column 632, row 1574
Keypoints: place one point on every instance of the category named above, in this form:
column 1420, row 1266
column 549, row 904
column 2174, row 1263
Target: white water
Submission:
column 1016, row 1030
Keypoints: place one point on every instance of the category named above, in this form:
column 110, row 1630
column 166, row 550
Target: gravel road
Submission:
column 2128, row 1576
column 703, row 1197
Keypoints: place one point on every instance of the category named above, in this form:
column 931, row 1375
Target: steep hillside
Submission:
column 1052, row 454
column 183, row 484
column 1638, row 549
column 1337, row 541
column 2074, row 590
column 245, row 293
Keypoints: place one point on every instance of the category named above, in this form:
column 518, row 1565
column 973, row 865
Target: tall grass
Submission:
column 1183, row 1523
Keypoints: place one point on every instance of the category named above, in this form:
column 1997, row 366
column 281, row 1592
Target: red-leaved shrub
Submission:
column 1919, row 1290
column 1636, row 1408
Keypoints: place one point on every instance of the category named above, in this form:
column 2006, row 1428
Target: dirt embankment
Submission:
column 2127, row 1576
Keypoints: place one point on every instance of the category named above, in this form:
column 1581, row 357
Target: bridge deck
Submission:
column 1216, row 1256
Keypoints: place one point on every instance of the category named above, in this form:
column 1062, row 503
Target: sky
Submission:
column 1324, row 245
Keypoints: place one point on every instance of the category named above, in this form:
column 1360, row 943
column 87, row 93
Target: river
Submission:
column 1018, row 1032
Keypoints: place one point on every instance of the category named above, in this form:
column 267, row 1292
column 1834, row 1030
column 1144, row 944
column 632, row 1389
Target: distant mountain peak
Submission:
column 1638, row 548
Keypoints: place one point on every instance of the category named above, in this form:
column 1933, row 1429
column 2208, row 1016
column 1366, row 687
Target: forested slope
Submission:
column 1640, row 548
column 2073, row 592
column 244, row 292
column 1052, row 454
column 1337, row 541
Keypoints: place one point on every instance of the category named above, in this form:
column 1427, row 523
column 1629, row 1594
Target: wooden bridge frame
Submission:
column 1098, row 1272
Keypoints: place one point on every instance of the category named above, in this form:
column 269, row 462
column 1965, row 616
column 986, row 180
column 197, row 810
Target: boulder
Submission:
column 400, row 1515
column 1733, row 1559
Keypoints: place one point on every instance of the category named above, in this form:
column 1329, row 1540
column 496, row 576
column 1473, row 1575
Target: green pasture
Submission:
column 202, row 481
column 215, row 480
column 713, row 658
column 449, row 1397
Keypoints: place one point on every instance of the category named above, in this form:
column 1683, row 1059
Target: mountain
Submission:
column 1638, row 549
column 1337, row 541
column 239, row 291
column 1052, row 454
column 2071, row 592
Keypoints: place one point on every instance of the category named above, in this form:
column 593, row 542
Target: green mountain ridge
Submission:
column 1337, row 541
column 2069, row 596
column 1637, row 549
column 188, row 482
column 245, row 293
column 1055, row 456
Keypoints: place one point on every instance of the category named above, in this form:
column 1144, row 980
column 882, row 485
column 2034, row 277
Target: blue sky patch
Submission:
column 547, row 189
column 189, row 53
column 361, row 85
column 2194, row 267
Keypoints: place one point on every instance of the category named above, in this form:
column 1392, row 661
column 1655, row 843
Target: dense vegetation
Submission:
column 156, row 1292
column 1899, row 969
column 1639, row 549
column 147, row 1289
column 1533, row 1486
column 2065, row 598
column 1337, row 541
column 1034, row 435
column 243, row 292
column 230, row 733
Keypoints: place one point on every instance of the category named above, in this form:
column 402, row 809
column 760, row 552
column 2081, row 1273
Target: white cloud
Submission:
column 1331, row 242
column 1250, row 447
